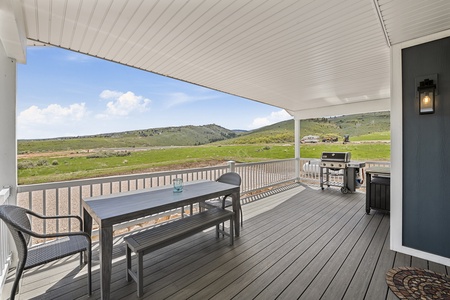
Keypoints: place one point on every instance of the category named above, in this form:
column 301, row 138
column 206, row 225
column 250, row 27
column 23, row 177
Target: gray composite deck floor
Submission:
column 301, row 243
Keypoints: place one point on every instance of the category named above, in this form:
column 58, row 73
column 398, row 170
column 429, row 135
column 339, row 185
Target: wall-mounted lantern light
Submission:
column 427, row 96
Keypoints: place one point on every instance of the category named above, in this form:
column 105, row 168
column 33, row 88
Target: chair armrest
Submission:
column 55, row 235
column 30, row 212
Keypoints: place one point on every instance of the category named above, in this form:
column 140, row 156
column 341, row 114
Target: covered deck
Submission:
column 300, row 242
column 310, row 58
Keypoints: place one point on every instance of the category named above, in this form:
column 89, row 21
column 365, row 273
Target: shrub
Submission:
column 22, row 165
column 101, row 154
column 123, row 153
column 105, row 154
column 42, row 162
column 55, row 163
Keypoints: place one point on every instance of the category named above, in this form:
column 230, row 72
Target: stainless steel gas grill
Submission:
column 336, row 169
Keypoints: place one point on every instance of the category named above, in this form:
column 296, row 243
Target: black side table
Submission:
column 378, row 189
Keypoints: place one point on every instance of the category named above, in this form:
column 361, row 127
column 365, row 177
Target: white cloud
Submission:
column 179, row 98
column 123, row 104
column 53, row 114
column 274, row 117
column 108, row 94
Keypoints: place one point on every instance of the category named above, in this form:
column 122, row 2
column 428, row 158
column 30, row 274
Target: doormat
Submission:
column 414, row 283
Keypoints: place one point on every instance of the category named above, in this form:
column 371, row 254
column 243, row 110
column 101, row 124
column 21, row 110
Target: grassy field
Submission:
column 366, row 151
column 61, row 167
column 172, row 148
column 376, row 136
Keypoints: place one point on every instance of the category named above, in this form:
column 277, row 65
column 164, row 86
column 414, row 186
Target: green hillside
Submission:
column 372, row 126
column 363, row 127
column 156, row 137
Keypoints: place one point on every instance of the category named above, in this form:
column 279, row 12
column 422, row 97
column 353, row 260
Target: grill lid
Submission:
column 336, row 156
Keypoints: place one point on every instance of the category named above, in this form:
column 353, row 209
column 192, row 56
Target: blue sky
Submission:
column 63, row 93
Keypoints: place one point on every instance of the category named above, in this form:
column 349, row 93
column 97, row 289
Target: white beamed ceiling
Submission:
column 310, row 57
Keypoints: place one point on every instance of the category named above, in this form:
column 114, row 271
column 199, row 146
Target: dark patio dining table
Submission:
column 109, row 210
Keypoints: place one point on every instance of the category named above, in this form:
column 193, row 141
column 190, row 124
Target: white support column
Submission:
column 8, row 143
column 297, row 148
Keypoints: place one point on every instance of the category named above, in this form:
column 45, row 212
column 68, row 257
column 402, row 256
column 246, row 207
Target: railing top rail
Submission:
column 99, row 180
column 265, row 162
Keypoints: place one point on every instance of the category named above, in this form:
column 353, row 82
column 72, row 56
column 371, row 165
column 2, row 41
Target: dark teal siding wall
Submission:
column 426, row 152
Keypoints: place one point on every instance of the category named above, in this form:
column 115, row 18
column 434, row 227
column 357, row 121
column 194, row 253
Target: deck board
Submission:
column 266, row 239
column 377, row 288
column 287, row 241
column 333, row 267
column 301, row 243
column 304, row 253
column 361, row 278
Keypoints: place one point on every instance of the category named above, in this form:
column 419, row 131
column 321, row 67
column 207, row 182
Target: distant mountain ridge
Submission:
column 282, row 132
column 154, row 137
column 188, row 135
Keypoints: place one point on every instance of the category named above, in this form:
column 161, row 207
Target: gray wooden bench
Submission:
column 154, row 238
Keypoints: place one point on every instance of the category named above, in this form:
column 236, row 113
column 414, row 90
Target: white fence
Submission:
column 65, row 197
column 261, row 175
column 4, row 243
column 310, row 170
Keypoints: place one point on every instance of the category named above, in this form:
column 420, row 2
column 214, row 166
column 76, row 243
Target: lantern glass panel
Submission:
column 426, row 98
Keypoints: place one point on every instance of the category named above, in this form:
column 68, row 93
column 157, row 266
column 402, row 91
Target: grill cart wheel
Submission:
column 344, row 190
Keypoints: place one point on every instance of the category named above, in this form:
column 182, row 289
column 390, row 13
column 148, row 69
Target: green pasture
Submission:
column 51, row 169
column 368, row 152
column 375, row 136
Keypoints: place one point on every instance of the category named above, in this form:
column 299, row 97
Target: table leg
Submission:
column 368, row 192
column 236, row 209
column 87, row 227
column 106, row 244
column 321, row 176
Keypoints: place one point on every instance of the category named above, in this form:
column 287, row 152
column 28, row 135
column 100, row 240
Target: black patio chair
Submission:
column 226, row 201
column 66, row 244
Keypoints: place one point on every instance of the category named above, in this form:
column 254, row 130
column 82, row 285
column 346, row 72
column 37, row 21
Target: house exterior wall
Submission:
column 426, row 151
column 419, row 151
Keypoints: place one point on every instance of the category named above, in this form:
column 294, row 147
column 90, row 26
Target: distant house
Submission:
column 310, row 139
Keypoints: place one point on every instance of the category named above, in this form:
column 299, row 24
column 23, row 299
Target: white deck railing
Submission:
column 5, row 252
column 261, row 175
column 310, row 170
column 65, row 197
